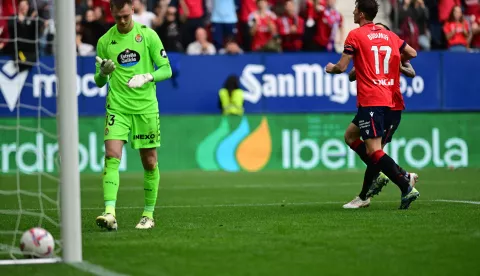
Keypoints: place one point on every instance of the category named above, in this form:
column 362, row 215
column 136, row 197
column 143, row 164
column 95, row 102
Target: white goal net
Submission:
column 29, row 144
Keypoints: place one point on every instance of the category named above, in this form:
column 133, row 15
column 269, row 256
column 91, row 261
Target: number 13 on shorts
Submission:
column 117, row 126
column 144, row 129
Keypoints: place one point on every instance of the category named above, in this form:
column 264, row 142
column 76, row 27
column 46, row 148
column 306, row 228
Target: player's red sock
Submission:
column 391, row 170
column 359, row 147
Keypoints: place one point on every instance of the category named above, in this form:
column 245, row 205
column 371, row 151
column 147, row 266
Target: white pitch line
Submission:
column 227, row 186
column 95, row 269
column 204, row 187
column 229, row 205
column 30, row 261
column 83, row 266
column 252, row 205
column 458, row 201
column 210, row 205
column 221, row 205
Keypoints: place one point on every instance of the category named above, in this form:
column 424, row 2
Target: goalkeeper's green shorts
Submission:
column 144, row 129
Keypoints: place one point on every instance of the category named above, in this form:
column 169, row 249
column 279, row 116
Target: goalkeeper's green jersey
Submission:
column 133, row 53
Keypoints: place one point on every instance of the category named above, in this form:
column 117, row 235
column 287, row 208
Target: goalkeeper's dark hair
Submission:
column 368, row 7
column 119, row 4
column 383, row 25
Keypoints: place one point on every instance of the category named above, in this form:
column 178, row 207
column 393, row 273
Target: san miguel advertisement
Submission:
column 249, row 144
column 272, row 83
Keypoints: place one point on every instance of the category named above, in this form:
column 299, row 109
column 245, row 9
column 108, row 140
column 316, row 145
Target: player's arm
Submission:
column 348, row 52
column 159, row 56
column 100, row 80
column 352, row 75
column 341, row 65
column 408, row 53
column 407, row 69
column 103, row 67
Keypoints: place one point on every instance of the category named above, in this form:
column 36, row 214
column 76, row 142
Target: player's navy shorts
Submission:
column 392, row 121
column 371, row 121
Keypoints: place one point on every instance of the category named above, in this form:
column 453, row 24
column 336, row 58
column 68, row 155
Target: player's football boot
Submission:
column 107, row 221
column 356, row 203
column 382, row 180
column 377, row 185
column 145, row 223
column 410, row 197
column 413, row 179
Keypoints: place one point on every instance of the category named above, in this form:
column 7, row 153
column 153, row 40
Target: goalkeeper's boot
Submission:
column 107, row 221
column 410, row 197
column 377, row 185
column 356, row 203
column 145, row 223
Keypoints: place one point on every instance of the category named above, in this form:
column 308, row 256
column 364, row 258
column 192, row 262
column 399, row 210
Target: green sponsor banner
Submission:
column 250, row 143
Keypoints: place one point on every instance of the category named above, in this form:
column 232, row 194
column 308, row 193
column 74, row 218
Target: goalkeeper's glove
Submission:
column 139, row 80
column 106, row 66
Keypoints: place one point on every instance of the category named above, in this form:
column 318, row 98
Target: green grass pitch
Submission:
column 269, row 223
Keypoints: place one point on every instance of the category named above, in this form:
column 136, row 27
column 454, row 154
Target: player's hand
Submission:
column 106, row 66
column 329, row 67
column 139, row 80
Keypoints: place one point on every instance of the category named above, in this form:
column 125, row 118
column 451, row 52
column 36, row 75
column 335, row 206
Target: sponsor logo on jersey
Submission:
column 384, row 82
column 163, row 53
column 148, row 138
column 128, row 58
column 144, row 136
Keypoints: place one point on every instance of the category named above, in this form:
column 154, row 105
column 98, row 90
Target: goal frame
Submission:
column 67, row 118
column 67, row 130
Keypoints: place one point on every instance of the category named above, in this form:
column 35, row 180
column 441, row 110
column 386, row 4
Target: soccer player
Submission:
column 352, row 135
column 377, row 54
column 125, row 58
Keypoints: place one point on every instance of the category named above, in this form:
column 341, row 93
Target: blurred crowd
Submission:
column 207, row 27
column 26, row 29
column 438, row 24
column 189, row 26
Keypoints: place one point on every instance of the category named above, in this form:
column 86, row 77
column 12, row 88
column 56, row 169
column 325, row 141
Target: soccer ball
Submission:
column 37, row 243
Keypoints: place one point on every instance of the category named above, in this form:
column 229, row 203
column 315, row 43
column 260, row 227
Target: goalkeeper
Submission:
column 125, row 57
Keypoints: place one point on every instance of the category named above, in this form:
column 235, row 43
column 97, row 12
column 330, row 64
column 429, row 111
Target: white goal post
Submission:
column 68, row 142
column 67, row 115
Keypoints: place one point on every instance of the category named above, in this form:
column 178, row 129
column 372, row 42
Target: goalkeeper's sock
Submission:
column 151, row 180
column 110, row 207
column 111, row 181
